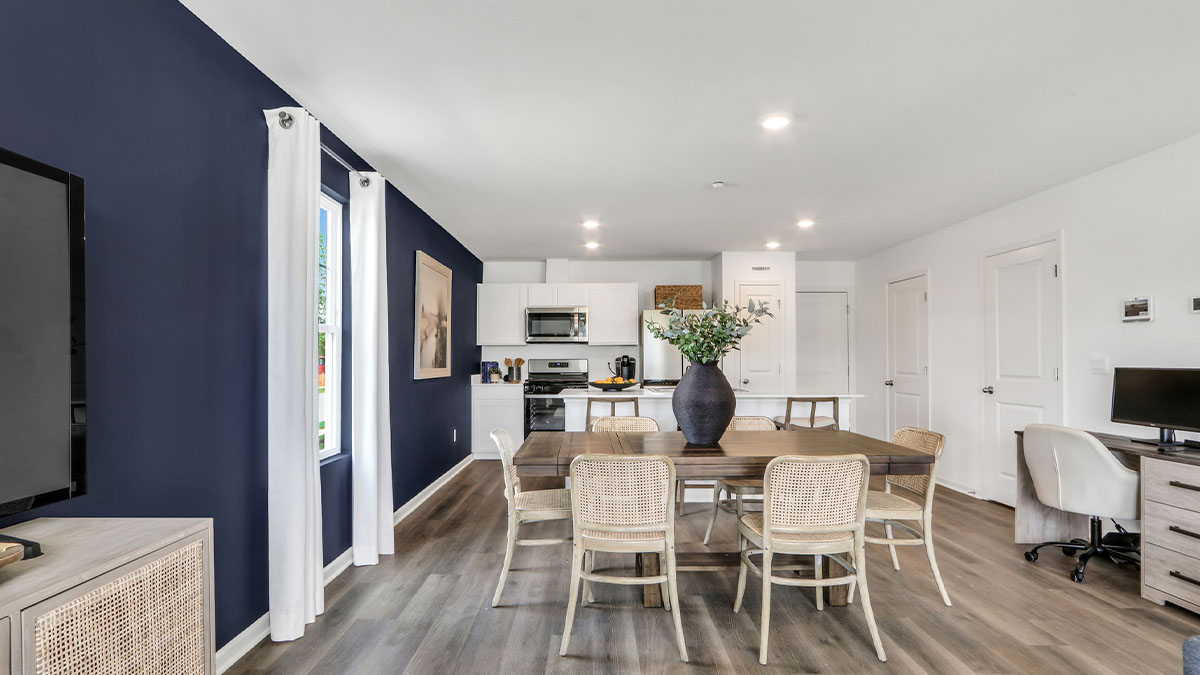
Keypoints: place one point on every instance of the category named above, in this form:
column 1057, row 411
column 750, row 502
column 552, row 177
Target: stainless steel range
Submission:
column 544, row 411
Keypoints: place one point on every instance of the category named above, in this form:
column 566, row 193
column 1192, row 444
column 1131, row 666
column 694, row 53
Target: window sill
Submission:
column 344, row 454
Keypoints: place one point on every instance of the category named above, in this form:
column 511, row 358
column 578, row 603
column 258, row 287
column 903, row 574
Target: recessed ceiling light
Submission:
column 592, row 244
column 805, row 223
column 772, row 244
column 591, row 224
column 775, row 121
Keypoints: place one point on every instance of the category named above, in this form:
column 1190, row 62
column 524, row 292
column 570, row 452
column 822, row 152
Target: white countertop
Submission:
column 666, row 394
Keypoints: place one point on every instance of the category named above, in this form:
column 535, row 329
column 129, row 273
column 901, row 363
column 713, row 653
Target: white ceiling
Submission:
column 510, row 121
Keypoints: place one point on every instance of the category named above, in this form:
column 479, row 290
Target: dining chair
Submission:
column 737, row 487
column 622, row 504
column 892, row 509
column 525, row 506
column 627, row 424
column 612, row 408
column 812, row 506
column 814, row 421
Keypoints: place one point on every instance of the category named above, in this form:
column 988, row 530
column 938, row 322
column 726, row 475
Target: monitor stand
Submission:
column 1167, row 442
column 32, row 548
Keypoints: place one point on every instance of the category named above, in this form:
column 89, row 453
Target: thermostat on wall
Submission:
column 1137, row 309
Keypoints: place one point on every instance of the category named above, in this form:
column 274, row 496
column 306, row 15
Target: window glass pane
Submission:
column 323, row 268
column 324, row 391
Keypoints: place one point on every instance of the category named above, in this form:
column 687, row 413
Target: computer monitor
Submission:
column 1167, row 398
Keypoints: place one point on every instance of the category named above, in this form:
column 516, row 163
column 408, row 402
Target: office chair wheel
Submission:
column 1077, row 576
column 1069, row 552
column 1031, row 556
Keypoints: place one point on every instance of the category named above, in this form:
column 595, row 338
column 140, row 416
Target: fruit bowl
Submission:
column 613, row 386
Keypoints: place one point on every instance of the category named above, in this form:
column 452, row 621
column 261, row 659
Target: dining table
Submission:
column 739, row 454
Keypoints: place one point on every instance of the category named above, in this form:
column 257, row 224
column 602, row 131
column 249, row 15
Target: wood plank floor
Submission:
column 427, row 609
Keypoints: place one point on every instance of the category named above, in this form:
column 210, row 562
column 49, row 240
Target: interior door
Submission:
column 760, row 361
column 1022, row 345
column 822, row 342
column 908, row 354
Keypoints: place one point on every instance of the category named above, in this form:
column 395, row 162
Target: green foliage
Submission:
column 706, row 337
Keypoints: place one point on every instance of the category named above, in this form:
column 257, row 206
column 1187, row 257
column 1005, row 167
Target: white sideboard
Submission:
column 110, row 595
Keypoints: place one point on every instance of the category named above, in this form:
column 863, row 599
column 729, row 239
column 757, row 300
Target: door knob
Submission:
column 745, row 380
column 988, row 390
column 889, row 383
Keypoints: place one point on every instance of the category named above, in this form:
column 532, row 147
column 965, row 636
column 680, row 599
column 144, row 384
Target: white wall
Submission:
column 1131, row 229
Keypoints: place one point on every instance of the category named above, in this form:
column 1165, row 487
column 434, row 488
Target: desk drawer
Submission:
column 1171, row 483
column 1171, row 528
column 1171, row 572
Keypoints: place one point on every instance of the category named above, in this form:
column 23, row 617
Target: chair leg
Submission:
column 673, row 588
column 766, row 607
column 576, row 565
column 927, row 534
column 589, row 565
column 513, row 526
column 679, row 497
column 741, row 589
column 666, row 585
column 819, row 589
column 715, row 507
column 860, row 572
column 887, row 528
column 850, row 591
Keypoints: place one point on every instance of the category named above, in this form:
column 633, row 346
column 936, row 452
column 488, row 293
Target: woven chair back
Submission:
column 504, row 444
column 926, row 441
column 813, row 494
column 748, row 423
column 627, row 424
column 621, row 492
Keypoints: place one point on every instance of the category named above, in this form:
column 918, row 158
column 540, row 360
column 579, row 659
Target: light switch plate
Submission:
column 1099, row 363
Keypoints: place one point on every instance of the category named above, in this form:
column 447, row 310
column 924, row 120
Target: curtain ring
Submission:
column 286, row 120
column 364, row 182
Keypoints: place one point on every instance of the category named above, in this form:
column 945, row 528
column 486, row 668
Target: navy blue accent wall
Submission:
column 164, row 122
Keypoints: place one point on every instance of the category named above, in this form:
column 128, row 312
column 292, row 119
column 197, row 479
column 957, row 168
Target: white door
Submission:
column 908, row 354
column 1022, row 342
column 760, row 361
column 822, row 343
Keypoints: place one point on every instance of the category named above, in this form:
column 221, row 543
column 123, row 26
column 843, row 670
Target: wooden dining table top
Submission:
column 740, row 454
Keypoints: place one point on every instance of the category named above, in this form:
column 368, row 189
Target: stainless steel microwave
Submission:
column 556, row 324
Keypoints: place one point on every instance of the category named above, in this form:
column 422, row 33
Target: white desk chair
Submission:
column 1073, row 471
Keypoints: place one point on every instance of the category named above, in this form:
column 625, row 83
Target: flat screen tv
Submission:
column 1167, row 398
column 43, row 409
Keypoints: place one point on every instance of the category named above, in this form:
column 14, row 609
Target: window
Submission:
column 329, row 327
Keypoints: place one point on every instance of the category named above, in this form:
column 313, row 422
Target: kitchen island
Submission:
column 656, row 403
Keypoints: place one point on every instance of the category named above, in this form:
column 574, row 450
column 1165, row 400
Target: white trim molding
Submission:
column 412, row 504
column 260, row 630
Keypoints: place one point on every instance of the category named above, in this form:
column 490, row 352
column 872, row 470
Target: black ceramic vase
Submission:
column 703, row 404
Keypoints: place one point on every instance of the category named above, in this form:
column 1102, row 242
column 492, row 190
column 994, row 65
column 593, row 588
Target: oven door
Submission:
column 556, row 324
column 545, row 414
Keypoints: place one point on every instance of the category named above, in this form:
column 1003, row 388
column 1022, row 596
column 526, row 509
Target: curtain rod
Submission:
column 363, row 181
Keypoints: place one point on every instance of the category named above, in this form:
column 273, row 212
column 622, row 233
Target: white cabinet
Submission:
column 492, row 406
column 572, row 295
column 500, row 314
column 613, row 314
column 558, row 295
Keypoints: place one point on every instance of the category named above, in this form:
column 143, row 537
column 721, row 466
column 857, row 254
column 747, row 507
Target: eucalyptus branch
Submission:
column 705, row 337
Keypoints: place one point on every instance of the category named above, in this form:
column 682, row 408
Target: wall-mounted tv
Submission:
column 43, row 402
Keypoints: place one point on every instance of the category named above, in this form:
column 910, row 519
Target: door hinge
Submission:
column 926, row 370
column 1056, row 374
column 1056, row 271
column 925, row 296
column 847, row 309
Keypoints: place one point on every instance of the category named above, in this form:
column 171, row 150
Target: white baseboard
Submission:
column 486, row 454
column 261, row 629
column 412, row 504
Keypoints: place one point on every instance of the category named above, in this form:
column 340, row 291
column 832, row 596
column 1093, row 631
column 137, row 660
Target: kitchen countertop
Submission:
column 666, row 394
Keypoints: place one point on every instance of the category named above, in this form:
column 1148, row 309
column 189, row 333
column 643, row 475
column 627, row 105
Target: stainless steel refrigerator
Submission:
column 662, row 364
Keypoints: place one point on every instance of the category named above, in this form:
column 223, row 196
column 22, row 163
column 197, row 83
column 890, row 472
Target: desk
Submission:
column 740, row 454
column 1035, row 522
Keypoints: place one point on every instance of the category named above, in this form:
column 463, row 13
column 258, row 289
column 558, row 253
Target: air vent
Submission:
column 760, row 269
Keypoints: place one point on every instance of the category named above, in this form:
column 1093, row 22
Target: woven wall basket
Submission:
column 686, row 297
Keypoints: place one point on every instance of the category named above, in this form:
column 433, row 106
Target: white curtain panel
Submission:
column 297, row 593
column 371, row 423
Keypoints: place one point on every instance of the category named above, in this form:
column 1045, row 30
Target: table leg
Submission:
column 647, row 565
column 836, row 596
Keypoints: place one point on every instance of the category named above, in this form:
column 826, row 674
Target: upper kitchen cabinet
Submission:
column 501, row 314
column 613, row 314
column 558, row 295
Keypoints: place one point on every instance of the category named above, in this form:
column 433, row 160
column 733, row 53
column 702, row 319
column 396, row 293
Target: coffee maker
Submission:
column 626, row 367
